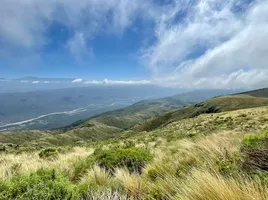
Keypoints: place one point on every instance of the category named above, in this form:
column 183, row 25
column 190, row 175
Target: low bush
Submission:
column 48, row 153
column 43, row 184
column 134, row 159
column 52, row 152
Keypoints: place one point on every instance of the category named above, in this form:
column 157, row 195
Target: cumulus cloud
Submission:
column 35, row 82
column 78, row 80
column 24, row 32
column 217, row 44
column 119, row 82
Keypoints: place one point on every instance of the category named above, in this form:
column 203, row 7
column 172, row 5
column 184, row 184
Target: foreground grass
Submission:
column 203, row 158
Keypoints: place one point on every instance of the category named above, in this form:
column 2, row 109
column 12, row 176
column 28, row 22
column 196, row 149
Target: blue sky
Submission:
column 109, row 56
column 178, row 43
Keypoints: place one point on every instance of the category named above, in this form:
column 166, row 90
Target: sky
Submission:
column 172, row 43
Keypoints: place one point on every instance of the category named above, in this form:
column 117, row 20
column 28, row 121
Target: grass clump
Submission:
column 43, row 184
column 133, row 158
column 97, row 179
column 81, row 167
column 204, row 185
column 133, row 184
column 255, row 151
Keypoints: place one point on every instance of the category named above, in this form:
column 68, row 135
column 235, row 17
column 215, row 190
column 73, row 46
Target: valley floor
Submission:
column 208, row 157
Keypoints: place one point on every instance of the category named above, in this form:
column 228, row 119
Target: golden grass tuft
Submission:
column 204, row 185
column 97, row 176
column 133, row 184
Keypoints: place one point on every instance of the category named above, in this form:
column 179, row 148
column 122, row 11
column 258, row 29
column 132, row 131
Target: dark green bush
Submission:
column 49, row 152
column 43, row 184
column 134, row 159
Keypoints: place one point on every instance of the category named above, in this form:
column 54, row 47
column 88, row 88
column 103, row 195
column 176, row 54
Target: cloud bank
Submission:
column 218, row 44
column 78, row 80
column 119, row 82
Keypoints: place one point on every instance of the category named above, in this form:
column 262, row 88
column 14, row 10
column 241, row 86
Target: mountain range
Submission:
column 142, row 116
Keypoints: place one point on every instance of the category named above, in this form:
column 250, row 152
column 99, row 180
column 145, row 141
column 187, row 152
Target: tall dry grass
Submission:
column 185, row 169
column 205, row 185
column 133, row 184
column 12, row 164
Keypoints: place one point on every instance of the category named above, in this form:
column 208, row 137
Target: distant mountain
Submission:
column 100, row 127
column 107, row 125
column 33, row 78
column 90, row 100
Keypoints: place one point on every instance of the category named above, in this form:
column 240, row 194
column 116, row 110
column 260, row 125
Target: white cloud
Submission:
column 24, row 24
column 46, row 82
column 214, row 46
column 79, row 80
column 78, row 47
column 35, row 82
column 119, row 82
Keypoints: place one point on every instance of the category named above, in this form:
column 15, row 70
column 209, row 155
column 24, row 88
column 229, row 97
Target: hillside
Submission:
column 257, row 93
column 142, row 116
column 111, row 124
column 215, row 105
column 139, row 112
column 207, row 157
column 101, row 127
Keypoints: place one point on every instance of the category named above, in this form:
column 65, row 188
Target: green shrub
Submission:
column 65, row 149
column 132, row 158
column 48, row 153
column 81, row 167
column 43, row 184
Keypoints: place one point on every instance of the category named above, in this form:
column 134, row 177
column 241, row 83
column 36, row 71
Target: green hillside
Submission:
column 257, row 93
column 137, row 113
column 215, row 105
column 215, row 156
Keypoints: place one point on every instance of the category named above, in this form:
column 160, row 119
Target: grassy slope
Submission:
column 139, row 112
column 218, row 104
column 257, row 93
column 193, row 159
